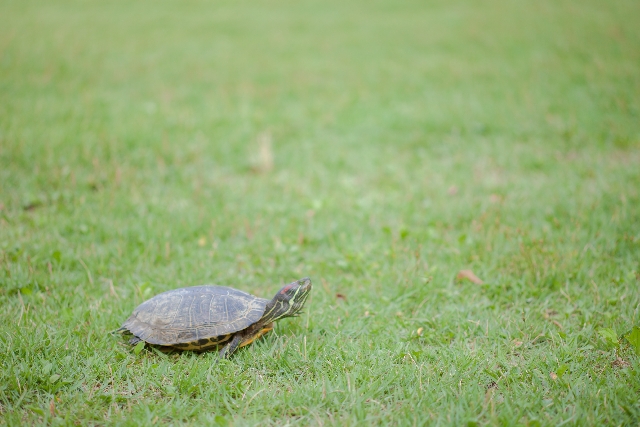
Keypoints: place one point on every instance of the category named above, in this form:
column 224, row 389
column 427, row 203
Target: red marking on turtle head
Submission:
column 286, row 288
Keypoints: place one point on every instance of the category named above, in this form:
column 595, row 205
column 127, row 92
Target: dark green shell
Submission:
column 194, row 318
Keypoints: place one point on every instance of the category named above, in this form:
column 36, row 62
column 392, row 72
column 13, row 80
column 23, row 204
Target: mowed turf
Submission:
column 377, row 147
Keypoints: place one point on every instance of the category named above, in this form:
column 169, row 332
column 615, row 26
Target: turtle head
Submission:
column 288, row 301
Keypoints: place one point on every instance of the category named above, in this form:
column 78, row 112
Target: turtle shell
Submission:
column 194, row 317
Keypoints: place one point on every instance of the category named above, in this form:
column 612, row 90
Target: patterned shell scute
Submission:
column 195, row 313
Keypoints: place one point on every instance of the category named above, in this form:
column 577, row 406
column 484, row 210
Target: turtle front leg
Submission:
column 231, row 346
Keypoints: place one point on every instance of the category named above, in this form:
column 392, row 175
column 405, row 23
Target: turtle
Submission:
column 207, row 317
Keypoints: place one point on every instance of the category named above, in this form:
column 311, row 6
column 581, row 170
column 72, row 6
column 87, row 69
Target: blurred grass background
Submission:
column 378, row 147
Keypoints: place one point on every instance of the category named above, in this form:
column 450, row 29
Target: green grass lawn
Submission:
column 377, row 147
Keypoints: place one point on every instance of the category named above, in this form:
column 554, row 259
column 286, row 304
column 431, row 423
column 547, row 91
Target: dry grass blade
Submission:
column 263, row 159
column 470, row 276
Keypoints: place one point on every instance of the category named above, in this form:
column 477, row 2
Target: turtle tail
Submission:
column 122, row 330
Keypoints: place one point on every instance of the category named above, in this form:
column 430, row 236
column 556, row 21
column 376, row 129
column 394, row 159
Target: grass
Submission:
column 377, row 147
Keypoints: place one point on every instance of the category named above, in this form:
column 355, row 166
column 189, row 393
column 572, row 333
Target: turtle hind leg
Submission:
column 134, row 340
